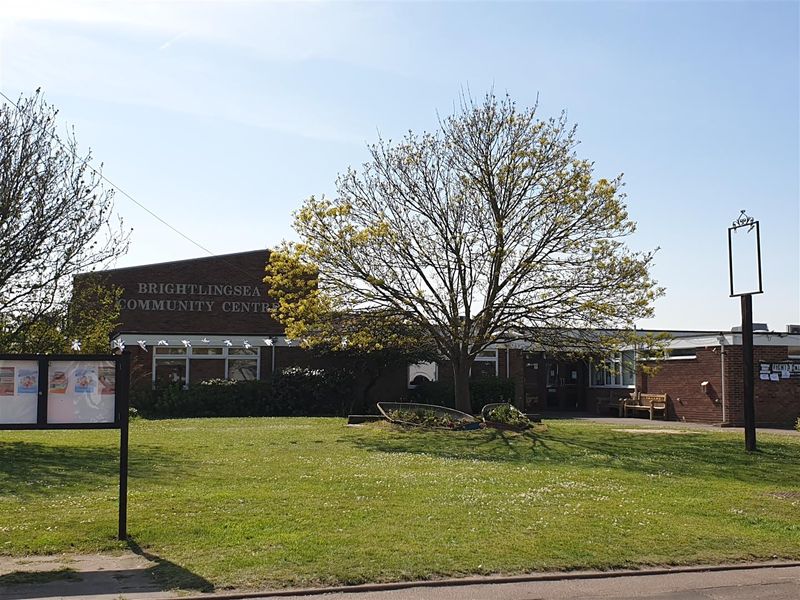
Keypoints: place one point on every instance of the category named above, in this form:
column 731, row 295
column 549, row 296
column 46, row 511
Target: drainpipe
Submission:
column 722, row 354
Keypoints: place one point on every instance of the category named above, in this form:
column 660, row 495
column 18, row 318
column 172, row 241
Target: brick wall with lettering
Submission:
column 219, row 294
column 776, row 402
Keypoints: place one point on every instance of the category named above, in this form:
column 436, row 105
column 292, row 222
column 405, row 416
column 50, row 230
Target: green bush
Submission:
column 438, row 393
column 293, row 392
column 483, row 391
column 490, row 390
column 310, row 392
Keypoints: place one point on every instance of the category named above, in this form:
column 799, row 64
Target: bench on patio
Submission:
column 649, row 403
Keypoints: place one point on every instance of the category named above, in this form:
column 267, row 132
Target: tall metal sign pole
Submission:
column 744, row 262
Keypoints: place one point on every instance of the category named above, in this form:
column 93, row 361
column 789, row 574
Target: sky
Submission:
column 223, row 117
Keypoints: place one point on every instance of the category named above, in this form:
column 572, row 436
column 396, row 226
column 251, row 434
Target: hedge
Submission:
column 482, row 391
column 293, row 392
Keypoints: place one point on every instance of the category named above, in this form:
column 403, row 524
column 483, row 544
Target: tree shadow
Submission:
column 159, row 575
column 32, row 468
column 686, row 454
column 487, row 445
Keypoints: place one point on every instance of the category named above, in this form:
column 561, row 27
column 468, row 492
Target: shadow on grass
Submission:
column 32, row 468
column 170, row 575
column 694, row 454
column 491, row 445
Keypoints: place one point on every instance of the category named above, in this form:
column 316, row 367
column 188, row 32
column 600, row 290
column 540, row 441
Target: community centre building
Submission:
column 209, row 318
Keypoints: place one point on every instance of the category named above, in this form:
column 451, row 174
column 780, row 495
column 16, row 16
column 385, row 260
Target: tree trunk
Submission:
column 360, row 398
column 461, row 381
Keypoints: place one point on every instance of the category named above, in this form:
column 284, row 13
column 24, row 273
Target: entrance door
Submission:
column 566, row 386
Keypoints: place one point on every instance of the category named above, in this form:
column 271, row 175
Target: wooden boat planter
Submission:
column 489, row 408
column 460, row 420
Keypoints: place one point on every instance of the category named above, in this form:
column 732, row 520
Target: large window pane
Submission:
column 484, row 368
column 598, row 375
column 242, row 369
column 171, row 371
column 628, row 368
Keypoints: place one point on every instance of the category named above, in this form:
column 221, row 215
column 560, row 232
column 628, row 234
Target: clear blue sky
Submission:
column 223, row 116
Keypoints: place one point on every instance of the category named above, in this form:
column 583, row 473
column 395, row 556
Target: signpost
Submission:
column 744, row 262
column 69, row 392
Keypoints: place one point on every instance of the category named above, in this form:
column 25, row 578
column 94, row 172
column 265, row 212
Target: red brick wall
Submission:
column 776, row 403
column 681, row 380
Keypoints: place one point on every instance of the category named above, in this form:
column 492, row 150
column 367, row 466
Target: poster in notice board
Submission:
column 19, row 386
column 81, row 392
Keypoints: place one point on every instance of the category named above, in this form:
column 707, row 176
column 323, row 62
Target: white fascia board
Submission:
column 176, row 340
column 735, row 339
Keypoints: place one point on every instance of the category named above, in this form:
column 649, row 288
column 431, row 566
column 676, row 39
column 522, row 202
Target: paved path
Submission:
column 762, row 583
column 657, row 424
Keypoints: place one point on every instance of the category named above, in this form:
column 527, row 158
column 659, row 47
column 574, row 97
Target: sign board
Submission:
column 81, row 391
column 744, row 256
column 53, row 392
column 779, row 371
column 19, row 391
column 69, row 392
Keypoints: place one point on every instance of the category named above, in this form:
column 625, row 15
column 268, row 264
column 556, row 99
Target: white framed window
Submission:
column 681, row 353
column 174, row 364
column 619, row 371
column 485, row 364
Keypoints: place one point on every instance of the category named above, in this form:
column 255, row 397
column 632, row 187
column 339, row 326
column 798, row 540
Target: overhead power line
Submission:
column 99, row 173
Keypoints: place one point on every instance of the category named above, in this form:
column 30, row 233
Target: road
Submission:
column 752, row 584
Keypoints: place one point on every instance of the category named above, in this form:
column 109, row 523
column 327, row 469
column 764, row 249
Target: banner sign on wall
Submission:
column 779, row 371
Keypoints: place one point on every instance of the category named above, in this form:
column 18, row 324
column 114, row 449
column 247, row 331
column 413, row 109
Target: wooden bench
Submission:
column 649, row 403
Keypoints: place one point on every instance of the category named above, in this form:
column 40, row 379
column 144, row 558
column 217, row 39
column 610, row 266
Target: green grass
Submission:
column 290, row 502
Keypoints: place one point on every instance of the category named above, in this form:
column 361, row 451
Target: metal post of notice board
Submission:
column 69, row 391
column 123, row 371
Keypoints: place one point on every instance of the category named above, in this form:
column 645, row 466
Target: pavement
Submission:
column 666, row 425
column 130, row 577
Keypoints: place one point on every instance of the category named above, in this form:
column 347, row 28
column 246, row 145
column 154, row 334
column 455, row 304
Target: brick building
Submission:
column 192, row 320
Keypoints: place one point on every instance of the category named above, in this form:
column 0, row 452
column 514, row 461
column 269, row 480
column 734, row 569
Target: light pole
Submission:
column 744, row 263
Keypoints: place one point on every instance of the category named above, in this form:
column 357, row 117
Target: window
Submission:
column 681, row 353
column 619, row 371
column 485, row 364
column 794, row 351
column 192, row 365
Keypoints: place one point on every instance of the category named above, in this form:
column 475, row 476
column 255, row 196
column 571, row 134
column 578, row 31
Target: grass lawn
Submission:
column 290, row 502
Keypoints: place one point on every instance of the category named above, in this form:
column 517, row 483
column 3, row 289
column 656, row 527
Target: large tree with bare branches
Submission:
column 56, row 220
column 490, row 229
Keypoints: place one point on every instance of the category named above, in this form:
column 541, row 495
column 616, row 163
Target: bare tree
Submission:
column 489, row 230
column 56, row 219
